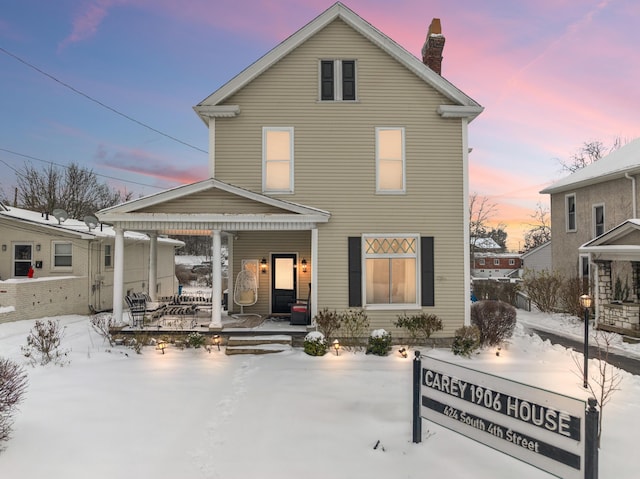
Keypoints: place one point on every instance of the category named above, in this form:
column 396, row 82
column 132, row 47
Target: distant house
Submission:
column 497, row 265
column 338, row 170
column 50, row 268
column 538, row 259
column 596, row 234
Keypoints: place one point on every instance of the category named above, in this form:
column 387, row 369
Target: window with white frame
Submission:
column 390, row 160
column 496, row 262
column 512, row 262
column 598, row 220
column 570, row 212
column 337, row 80
column 277, row 159
column 391, row 269
column 107, row 256
column 481, row 261
column 62, row 255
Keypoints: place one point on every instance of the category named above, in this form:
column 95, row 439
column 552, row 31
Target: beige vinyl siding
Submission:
column 334, row 160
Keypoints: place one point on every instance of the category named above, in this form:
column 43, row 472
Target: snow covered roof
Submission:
column 76, row 227
column 485, row 243
column 625, row 159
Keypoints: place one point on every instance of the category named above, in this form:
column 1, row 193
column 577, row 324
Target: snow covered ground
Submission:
column 189, row 413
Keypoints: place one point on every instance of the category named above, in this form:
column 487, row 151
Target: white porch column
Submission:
column 212, row 147
column 216, row 281
column 118, row 275
column 314, row 272
column 153, row 266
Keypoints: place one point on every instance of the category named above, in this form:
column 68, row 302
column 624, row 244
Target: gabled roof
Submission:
column 463, row 105
column 610, row 245
column 535, row 250
column 625, row 159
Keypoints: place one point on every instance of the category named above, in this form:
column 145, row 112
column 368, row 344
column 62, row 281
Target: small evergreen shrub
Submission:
column 195, row 339
column 13, row 384
column 495, row 320
column 328, row 322
column 315, row 344
column 466, row 341
column 354, row 324
column 379, row 342
column 420, row 326
column 43, row 344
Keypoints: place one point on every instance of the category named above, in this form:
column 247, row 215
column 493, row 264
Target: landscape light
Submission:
column 161, row 345
column 216, row 340
column 336, row 345
column 403, row 352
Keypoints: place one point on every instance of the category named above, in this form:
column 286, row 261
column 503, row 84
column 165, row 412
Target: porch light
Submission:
column 4, row 247
column 161, row 345
column 216, row 340
column 403, row 352
column 263, row 265
column 336, row 345
column 304, row 265
column 37, row 247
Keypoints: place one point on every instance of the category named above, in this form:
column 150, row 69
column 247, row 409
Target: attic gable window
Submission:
column 337, row 80
column 390, row 160
column 277, row 159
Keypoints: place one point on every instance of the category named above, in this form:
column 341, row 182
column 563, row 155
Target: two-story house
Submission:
column 338, row 169
column 596, row 234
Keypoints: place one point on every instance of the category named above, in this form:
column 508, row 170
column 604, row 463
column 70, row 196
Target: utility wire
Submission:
column 16, row 57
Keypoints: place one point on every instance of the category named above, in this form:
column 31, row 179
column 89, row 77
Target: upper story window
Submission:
column 337, row 80
column 277, row 159
column 62, row 255
column 598, row 220
column 570, row 212
column 107, row 256
column 390, row 160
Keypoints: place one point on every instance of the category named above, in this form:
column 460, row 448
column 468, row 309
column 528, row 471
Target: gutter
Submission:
column 633, row 193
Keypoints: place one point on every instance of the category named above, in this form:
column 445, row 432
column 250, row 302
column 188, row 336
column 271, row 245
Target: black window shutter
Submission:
column 355, row 271
column 427, row 270
column 348, row 80
column 326, row 80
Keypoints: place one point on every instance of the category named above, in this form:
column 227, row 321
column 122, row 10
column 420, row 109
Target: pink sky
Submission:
column 550, row 74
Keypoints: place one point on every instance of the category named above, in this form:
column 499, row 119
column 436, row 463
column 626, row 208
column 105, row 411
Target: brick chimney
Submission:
column 433, row 46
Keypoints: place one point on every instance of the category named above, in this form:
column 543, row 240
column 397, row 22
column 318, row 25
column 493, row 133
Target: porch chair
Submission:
column 245, row 291
column 301, row 310
column 137, row 307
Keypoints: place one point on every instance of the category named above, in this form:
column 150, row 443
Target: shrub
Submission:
column 43, row 344
column 315, row 344
column 492, row 289
column 195, row 339
column 328, row 322
column 572, row 289
column 13, row 384
column 102, row 324
column 379, row 342
column 543, row 288
column 420, row 327
column 354, row 324
column 466, row 341
column 496, row 321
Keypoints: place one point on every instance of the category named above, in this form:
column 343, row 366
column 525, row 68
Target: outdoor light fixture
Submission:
column 4, row 247
column 37, row 247
column 403, row 352
column 336, row 345
column 263, row 265
column 304, row 265
column 498, row 351
column 216, row 340
column 161, row 345
column 585, row 302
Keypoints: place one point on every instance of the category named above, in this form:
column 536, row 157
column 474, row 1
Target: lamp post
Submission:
column 585, row 302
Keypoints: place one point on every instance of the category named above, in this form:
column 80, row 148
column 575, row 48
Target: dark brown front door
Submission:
column 283, row 282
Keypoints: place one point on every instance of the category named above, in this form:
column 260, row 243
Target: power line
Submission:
column 88, row 97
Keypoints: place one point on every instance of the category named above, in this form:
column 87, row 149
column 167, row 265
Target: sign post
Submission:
column 417, row 420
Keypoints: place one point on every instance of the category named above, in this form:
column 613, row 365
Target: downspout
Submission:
column 633, row 193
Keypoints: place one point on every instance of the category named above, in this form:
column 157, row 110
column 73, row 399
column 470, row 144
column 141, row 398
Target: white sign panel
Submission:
column 542, row 428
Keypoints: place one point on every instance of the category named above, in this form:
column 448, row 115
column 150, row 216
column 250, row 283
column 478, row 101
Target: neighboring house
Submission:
column 71, row 265
column 485, row 245
column 497, row 265
column 338, row 168
column 538, row 259
column 595, row 234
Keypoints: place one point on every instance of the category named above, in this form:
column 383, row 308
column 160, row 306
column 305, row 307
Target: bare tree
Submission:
column 13, row 384
column 589, row 152
column 481, row 210
column 540, row 231
column 75, row 189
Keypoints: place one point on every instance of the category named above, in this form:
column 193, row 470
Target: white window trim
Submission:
column 265, row 130
column 512, row 262
column 53, row 256
column 337, row 79
column 593, row 218
column 566, row 213
column 104, row 256
column 496, row 261
column 403, row 190
column 417, row 256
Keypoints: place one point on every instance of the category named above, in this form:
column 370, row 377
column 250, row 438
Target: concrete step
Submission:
column 258, row 344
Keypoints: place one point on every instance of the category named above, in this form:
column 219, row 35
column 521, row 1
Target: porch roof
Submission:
column 621, row 243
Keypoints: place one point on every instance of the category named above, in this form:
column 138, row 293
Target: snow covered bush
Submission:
column 420, row 327
column 13, row 383
column 379, row 342
column 102, row 324
column 43, row 344
column 195, row 339
column 465, row 341
column 315, row 344
column 495, row 320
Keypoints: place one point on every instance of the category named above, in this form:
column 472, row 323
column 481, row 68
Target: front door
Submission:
column 283, row 281
column 21, row 259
